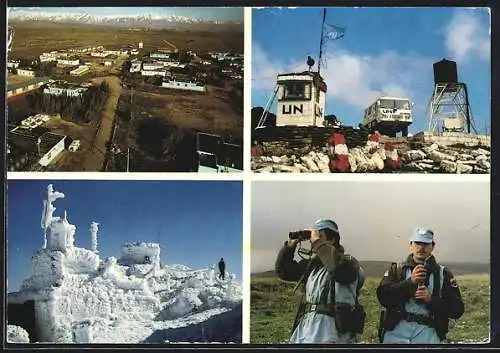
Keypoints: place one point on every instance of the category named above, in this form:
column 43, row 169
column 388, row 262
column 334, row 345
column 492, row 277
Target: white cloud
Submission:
column 358, row 79
column 352, row 78
column 265, row 69
column 467, row 35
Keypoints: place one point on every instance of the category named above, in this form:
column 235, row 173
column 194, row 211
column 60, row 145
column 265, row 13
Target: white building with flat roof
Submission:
column 152, row 66
column 26, row 72
column 80, row 70
column 13, row 64
column 154, row 73
column 68, row 62
column 100, row 54
column 59, row 89
column 184, row 85
column 160, row 55
column 136, row 66
column 50, row 146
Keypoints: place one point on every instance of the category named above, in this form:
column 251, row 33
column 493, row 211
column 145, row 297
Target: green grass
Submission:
column 273, row 307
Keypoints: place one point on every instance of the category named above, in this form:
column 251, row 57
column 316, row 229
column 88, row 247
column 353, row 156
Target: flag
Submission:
column 331, row 32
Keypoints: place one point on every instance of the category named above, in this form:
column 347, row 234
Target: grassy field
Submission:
column 273, row 308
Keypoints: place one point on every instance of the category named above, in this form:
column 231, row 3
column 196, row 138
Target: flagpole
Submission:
column 321, row 40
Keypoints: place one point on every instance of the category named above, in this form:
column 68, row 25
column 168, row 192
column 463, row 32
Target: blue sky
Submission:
column 388, row 50
column 195, row 222
column 211, row 13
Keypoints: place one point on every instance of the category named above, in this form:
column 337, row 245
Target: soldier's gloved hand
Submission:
column 422, row 293
column 292, row 242
column 418, row 274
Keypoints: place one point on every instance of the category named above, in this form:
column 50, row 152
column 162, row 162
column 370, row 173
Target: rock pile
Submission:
column 374, row 157
column 448, row 159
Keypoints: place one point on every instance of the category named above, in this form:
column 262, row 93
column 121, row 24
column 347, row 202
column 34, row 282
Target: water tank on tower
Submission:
column 449, row 109
column 445, row 71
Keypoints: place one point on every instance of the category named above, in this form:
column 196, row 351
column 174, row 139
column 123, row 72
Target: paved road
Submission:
column 95, row 156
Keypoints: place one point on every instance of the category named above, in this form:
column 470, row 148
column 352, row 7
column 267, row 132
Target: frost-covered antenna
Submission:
column 48, row 211
column 93, row 233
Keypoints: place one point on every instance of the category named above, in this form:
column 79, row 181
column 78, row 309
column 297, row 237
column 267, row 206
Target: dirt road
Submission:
column 96, row 154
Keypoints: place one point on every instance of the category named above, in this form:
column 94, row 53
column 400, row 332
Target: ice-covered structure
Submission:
column 93, row 234
column 140, row 253
column 73, row 296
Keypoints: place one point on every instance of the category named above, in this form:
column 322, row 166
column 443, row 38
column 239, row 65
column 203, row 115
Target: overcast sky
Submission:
column 376, row 218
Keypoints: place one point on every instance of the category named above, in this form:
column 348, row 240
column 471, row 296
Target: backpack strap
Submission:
column 441, row 280
column 398, row 271
column 437, row 287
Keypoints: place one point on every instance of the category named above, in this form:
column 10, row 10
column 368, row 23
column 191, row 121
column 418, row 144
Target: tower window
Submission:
column 296, row 90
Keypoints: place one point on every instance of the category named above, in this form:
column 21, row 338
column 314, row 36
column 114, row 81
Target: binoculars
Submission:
column 300, row 235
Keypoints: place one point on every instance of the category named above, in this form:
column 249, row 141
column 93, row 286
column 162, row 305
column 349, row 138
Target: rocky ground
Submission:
column 280, row 157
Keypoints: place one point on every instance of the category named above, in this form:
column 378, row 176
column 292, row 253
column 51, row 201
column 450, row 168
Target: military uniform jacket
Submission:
column 396, row 292
column 331, row 277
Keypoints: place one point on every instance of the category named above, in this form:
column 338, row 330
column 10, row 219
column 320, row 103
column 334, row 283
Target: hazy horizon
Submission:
column 400, row 206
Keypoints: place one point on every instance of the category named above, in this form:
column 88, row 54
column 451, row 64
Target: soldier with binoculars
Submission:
column 329, row 311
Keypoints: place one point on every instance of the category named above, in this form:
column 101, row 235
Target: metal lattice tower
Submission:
column 450, row 101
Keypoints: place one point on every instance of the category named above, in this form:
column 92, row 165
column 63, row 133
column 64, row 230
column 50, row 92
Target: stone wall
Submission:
column 417, row 155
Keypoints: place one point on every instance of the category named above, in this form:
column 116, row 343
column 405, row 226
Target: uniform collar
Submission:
column 431, row 262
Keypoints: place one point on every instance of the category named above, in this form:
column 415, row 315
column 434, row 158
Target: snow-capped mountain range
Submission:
column 124, row 20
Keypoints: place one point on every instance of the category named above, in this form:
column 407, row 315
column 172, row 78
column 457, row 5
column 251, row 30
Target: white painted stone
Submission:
column 276, row 159
column 352, row 162
column 266, row 169
column 437, row 156
column 284, row 168
column 301, row 168
column 465, row 156
column 484, row 164
column 478, row 169
column 449, row 166
column 434, row 146
column 468, row 162
column 464, row 168
column 426, row 165
column 377, row 161
column 311, row 165
column 383, row 153
column 323, row 163
column 341, row 149
column 427, row 161
column 415, row 155
column 414, row 165
column 481, row 151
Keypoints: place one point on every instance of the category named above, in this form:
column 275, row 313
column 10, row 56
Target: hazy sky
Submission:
column 376, row 219
column 209, row 13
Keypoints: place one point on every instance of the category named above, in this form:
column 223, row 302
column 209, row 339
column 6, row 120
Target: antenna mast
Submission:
column 321, row 40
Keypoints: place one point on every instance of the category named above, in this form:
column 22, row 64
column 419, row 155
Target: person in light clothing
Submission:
column 329, row 311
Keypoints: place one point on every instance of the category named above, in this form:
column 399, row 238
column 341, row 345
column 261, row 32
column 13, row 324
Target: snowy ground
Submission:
column 144, row 304
column 16, row 334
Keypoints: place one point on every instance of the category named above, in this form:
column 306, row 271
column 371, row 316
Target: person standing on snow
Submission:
column 329, row 311
column 222, row 268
